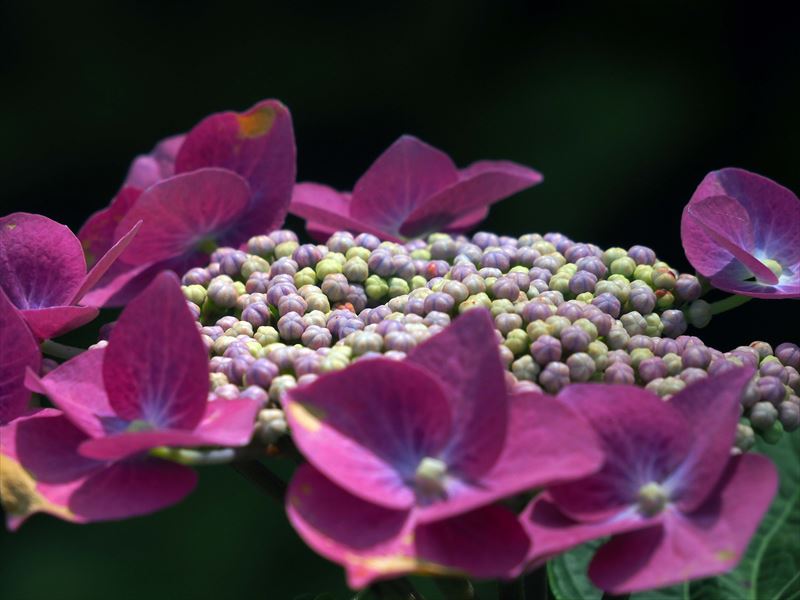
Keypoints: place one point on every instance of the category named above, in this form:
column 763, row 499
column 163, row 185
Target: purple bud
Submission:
column 335, row 286
column 674, row 323
column 747, row 355
column 389, row 325
column 523, row 279
column 692, row 374
column 539, row 273
column 526, row 256
column 554, row 377
column 437, row 318
column 572, row 310
column 306, row 255
column 227, row 391
column 719, row 366
column 640, row 341
column 231, row 263
column 291, row 326
column 378, row 314
column 665, row 346
column 789, row 414
column 615, row 356
column 553, row 296
column 642, row 299
column 619, row 372
column 505, row 287
column 642, row 255
column 593, row 265
column 763, row 415
column 484, row 239
column 495, row 259
column 357, row 296
column 548, row 262
column 340, row 241
column 438, row 301
column 367, row 240
column 400, row 341
column 688, row 288
column 257, row 314
column 257, row 283
column 696, row 355
column 227, row 322
column 608, row 303
column 416, row 306
column 546, row 349
column 443, row 249
column 261, row 245
column 459, row 272
column 559, row 240
column 283, row 266
column 222, row 292
column 196, row 276
column 308, row 364
column 652, row 368
column 788, row 354
column 276, row 292
column 435, row 268
column 574, row 339
column 255, row 392
column 316, row 337
column 602, row 322
column 212, row 331
column 380, row 263
column 773, row 368
column 347, row 326
column 770, row 389
column 279, row 278
column 578, row 251
column 487, row 272
column 505, row 322
column 582, row 281
column 537, row 310
column 581, row 367
column 290, row 303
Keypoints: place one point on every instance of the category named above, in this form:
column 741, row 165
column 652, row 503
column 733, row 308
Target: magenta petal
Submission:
column 18, row 351
column 547, row 442
column 644, row 439
column 727, row 225
column 370, row 540
column 465, row 360
column 399, row 181
column 705, row 542
column 553, row 532
column 367, row 427
column 182, row 211
column 104, row 263
column 228, row 422
column 97, row 234
column 257, row 144
column 149, row 169
column 120, row 284
column 128, row 443
column 47, row 323
column 467, row 221
column 484, row 543
column 156, row 366
column 76, row 387
column 480, row 185
column 711, row 407
column 41, row 261
column 323, row 205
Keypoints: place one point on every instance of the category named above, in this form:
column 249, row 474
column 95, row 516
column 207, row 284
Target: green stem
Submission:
column 728, row 303
column 63, row 351
column 456, row 588
column 197, row 458
column 511, row 590
column 264, row 479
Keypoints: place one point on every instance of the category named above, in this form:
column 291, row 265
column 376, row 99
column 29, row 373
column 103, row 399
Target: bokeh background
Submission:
column 624, row 106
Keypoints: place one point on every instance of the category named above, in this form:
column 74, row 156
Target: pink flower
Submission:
column 18, row 351
column 408, row 458
column 43, row 272
column 410, row 190
column 228, row 179
column 149, row 386
column 678, row 505
column 742, row 231
column 41, row 470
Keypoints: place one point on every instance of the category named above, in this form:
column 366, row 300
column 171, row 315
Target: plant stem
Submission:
column 63, row 351
column 264, row 479
column 511, row 590
column 728, row 303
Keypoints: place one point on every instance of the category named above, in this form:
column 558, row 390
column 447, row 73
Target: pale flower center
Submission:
column 430, row 475
column 774, row 266
column 652, row 498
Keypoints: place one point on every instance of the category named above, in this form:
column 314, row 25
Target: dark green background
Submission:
column 624, row 106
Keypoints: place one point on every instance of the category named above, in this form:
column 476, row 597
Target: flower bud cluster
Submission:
column 278, row 313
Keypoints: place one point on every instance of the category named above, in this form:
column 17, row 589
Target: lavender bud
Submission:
column 688, row 288
column 316, row 337
column 555, row 377
column 196, row 276
column 400, row 341
column 222, row 292
column 291, row 326
column 674, row 322
column 581, row 367
column 574, row 339
column 763, row 415
column 340, row 241
column 335, row 286
column 537, row 310
column 699, row 313
column 505, row 322
column 642, row 255
column 261, row 245
column 617, row 338
column 495, row 259
column 546, row 349
column 572, row 310
column 306, row 255
column 789, row 355
column 367, row 240
column 642, row 299
column 256, row 393
column 619, row 372
column 696, row 355
column 505, row 287
column 257, row 283
column 291, row 303
column 280, row 236
column 582, row 281
column 665, row 346
column 593, row 265
column 719, row 366
column 652, row 368
column 692, row 374
column 789, row 414
column 770, row 389
column 260, row 372
column 484, row 239
column 771, row 366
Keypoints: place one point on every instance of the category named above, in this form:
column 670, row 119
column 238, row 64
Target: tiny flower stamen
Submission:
column 139, row 425
column 652, row 498
column 430, row 475
column 774, row 266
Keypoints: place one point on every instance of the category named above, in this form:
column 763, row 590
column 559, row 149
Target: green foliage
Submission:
column 769, row 570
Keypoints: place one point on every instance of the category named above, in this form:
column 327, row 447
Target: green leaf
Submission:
column 769, row 568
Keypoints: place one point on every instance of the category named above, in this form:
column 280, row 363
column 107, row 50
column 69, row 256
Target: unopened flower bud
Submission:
column 554, row 377
column 634, row 323
column 788, row 354
column 687, row 288
column 581, row 367
column 745, row 437
column 699, row 313
column 619, row 372
column 789, row 415
column 763, row 415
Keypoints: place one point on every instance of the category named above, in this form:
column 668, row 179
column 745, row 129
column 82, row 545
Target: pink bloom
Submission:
column 149, row 386
column 43, row 272
column 228, row 179
column 678, row 505
column 742, row 231
column 42, row 471
column 18, row 351
column 418, row 452
column 410, row 190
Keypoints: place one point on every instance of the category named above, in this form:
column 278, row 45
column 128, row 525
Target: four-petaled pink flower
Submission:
column 43, row 272
column 677, row 503
column 407, row 459
column 412, row 189
column 228, row 179
column 149, row 386
column 742, row 231
column 18, row 352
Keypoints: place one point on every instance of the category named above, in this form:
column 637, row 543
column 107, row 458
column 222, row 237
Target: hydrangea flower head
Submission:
column 18, row 351
column 41, row 470
column 149, row 386
column 43, row 272
column 426, row 446
column 410, row 190
column 677, row 503
column 229, row 178
column 742, row 231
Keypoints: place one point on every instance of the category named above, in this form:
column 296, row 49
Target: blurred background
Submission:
column 623, row 106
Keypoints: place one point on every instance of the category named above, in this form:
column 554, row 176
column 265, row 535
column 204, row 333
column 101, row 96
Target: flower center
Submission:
column 139, row 425
column 652, row 498
column 206, row 244
column 774, row 266
column 430, row 475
